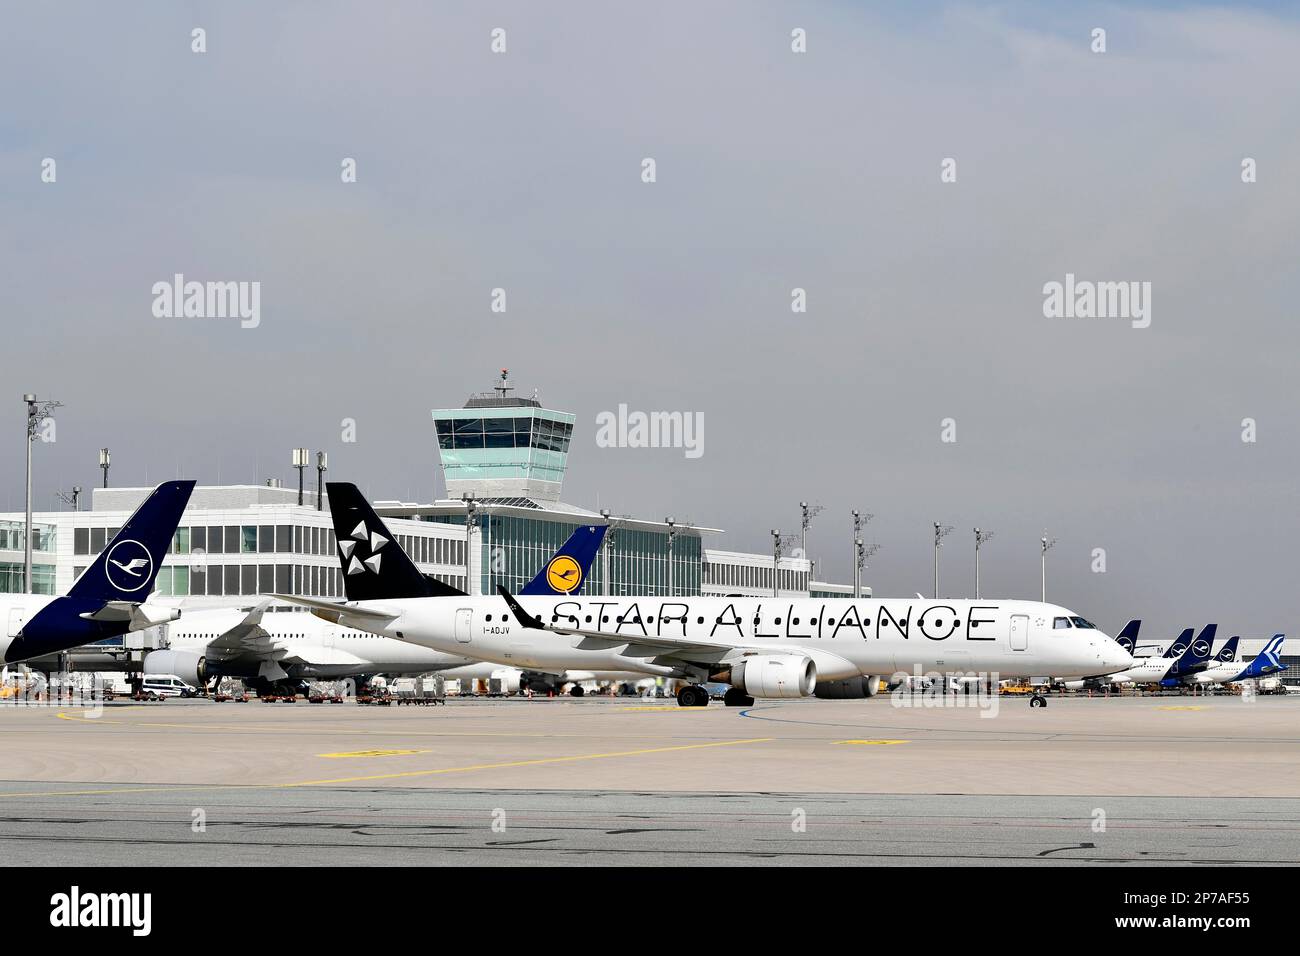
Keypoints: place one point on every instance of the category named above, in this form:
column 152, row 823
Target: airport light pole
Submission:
column 672, row 533
column 471, row 510
column 776, row 559
column 36, row 413
column 300, row 456
column 604, row 552
column 980, row 538
column 1046, row 545
column 808, row 512
column 322, row 466
column 940, row 532
column 105, row 459
column 859, row 522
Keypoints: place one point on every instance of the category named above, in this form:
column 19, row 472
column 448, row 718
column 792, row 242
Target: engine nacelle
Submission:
column 853, row 688
column 191, row 668
column 775, row 675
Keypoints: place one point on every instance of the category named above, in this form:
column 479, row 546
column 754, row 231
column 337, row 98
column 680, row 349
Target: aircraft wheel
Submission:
column 1038, row 700
column 693, row 696
column 735, row 697
column 576, row 690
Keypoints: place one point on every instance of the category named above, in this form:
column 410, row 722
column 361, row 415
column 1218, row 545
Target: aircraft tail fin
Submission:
column 1178, row 647
column 127, row 567
column 374, row 565
column 1228, row 652
column 1127, row 638
column 568, row 568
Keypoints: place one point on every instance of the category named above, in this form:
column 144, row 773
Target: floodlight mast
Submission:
column 940, row 532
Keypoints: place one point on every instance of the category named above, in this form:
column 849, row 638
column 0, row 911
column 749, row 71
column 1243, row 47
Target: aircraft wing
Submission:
column 246, row 637
column 139, row 616
column 333, row 611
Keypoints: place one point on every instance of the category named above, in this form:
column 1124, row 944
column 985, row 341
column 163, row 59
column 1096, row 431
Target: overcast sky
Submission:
column 775, row 170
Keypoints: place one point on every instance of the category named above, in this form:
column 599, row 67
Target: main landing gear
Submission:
column 693, row 695
column 735, row 697
column 1038, row 700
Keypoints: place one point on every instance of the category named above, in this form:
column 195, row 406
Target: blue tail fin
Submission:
column 1180, row 644
column 569, row 567
column 1127, row 638
column 1268, row 661
column 1197, row 653
column 1228, row 653
column 125, row 570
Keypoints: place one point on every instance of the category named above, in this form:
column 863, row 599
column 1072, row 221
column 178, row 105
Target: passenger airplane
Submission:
column 370, row 575
column 1152, row 670
column 1229, row 670
column 1127, row 639
column 268, row 649
column 770, row 648
column 108, row 599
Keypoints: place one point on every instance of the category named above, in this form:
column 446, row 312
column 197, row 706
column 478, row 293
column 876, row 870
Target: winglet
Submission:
column 525, row 619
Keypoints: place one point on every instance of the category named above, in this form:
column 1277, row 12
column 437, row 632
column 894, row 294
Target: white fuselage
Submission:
column 844, row 638
column 1150, row 670
column 307, row 645
column 1219, row 672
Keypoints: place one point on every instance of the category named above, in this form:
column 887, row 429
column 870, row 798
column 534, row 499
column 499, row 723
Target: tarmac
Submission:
column 1167, row 780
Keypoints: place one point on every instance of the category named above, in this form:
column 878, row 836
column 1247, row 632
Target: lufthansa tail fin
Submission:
column 567, row 570
column 1228, row 652
column 125, row 570
column 1178, row 647
column 1127, row 638
column 1197, row 653
column 374, row 565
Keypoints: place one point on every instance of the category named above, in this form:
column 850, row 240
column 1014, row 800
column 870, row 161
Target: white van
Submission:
column 162, row 686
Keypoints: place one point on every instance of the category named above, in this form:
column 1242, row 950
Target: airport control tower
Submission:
column 503, row 446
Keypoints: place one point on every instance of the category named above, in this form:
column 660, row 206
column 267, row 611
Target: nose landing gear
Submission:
column 1037, row 700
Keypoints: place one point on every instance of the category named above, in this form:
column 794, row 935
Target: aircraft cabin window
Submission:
column 588, row 619
column 489, row 617
column 1060, row 623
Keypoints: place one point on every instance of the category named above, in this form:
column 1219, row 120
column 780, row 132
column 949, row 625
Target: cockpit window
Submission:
column 1080, row 622
column 1060, row 622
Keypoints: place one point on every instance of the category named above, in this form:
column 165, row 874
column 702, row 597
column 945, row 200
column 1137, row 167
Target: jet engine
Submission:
column 774, row 675
column 853, row 688
column 191, row 668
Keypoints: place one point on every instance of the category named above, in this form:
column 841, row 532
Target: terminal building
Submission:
column 503, row 461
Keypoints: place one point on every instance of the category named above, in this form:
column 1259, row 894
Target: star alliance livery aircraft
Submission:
column 108, row 599
column 374, row 570
column 285, row 650
column 762, row 647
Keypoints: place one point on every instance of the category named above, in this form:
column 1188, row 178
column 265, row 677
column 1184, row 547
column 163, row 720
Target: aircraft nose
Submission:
column 1113, row 657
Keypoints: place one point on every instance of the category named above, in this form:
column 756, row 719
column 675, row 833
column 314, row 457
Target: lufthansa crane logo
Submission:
column 564, row 574
column 128, row 566
column 1202, row 649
